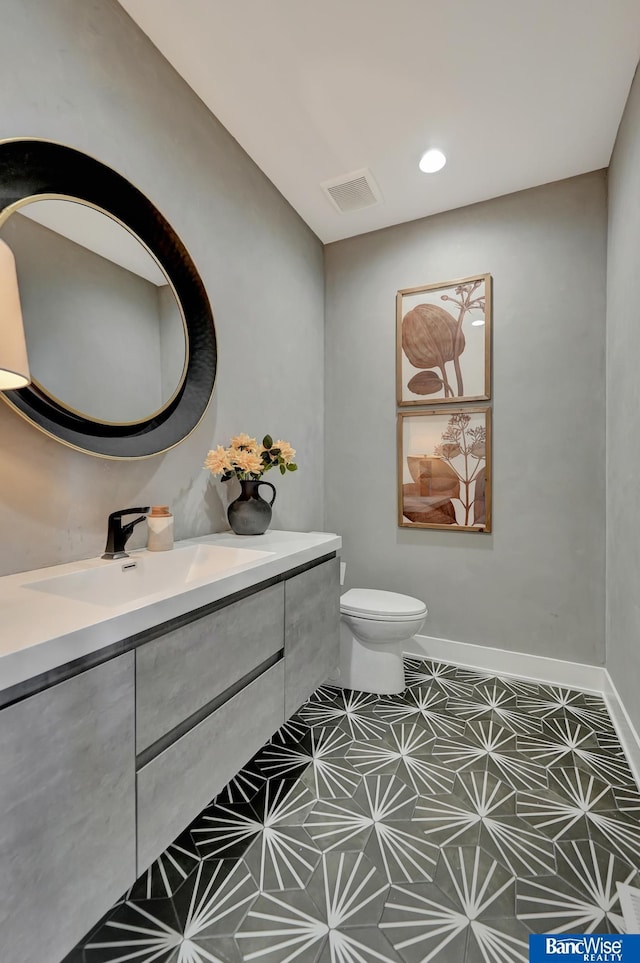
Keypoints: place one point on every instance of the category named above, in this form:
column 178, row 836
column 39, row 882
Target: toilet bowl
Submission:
column 374, row 626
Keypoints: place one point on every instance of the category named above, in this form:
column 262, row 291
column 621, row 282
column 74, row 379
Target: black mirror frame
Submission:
column 32, row 168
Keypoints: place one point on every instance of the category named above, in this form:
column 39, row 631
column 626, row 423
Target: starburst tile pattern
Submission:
column 486, row 743
column 168, row 873
column 242, row 787
column 449, row 679
column 470, row 903
column 492, row 700
column 336, row 918
column 406, row 751
column 482, row 810
column 573, row 800
column 548, row 701
column 564, row 742
column 628, row 800
column 583, row 897
column 424, row 705
column 268, row 831
column 444, row 824
column 352, row 711
column 291, row 731
column 318, row 756
column 215, row 900
column 142, row 931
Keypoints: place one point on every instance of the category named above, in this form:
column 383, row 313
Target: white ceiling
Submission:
column 515, row 92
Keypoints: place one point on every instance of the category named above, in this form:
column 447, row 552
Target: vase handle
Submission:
column 272, row 487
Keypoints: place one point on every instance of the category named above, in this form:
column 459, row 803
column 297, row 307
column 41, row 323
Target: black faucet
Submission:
column 118, row 534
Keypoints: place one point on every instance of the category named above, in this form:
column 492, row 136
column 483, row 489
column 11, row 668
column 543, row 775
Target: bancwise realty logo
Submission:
column 588, row 948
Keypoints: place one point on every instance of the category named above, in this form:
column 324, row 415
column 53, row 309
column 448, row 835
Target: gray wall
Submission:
column 537, row 583
column 623, row 405
column 80, row 72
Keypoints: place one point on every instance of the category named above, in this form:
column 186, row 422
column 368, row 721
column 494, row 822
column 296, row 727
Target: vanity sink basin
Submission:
column 123, row 581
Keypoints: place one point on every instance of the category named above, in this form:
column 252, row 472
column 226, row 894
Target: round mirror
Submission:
column 105, row 333
column 119, row 329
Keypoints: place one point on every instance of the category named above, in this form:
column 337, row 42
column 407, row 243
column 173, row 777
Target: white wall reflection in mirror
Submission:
column 104, row 331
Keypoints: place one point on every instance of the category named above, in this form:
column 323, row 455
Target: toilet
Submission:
column 374, row 626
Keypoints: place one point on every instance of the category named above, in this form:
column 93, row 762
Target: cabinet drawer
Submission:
column 312, row 605
column 175, row 786
column 184, row 670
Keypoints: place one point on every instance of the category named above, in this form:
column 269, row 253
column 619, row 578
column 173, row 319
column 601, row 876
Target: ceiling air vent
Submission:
column 353, row 191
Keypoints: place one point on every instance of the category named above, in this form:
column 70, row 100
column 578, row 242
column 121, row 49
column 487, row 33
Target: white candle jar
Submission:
column 159, row 529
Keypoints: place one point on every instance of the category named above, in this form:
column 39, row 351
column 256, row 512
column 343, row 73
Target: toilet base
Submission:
column 370, row 667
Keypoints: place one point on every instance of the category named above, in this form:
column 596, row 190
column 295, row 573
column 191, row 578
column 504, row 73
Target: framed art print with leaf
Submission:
column 444, row 469
column 443, row 342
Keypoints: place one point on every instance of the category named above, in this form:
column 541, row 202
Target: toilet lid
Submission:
column 374, row 604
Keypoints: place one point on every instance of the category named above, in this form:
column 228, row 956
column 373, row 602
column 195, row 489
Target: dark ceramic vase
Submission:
column 250, row 514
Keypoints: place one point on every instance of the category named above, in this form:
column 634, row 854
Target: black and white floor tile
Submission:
column 447, row 824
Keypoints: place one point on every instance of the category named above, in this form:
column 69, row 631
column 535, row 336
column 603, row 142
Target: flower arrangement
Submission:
column 248, row 460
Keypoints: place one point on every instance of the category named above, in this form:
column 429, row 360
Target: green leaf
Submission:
column 282, row 469
column 292, row 467
column 267, row 441
column 275, row 451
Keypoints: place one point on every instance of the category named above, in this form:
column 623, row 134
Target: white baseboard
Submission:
column 538, row 668
column 575, row 675
column 625, row 728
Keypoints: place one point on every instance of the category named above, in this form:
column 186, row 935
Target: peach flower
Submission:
column 288, row 453
column 248, row 461
column 218, row 461
column 243, row 441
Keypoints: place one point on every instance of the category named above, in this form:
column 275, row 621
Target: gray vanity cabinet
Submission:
column 67, row 810
column 178, row 674
column 179, row 782
column 101, row 772
column 208, row 695
column 311, row 631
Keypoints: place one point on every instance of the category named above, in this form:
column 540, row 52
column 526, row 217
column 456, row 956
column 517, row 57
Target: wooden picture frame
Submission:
column 443, row 350
column 444, row 469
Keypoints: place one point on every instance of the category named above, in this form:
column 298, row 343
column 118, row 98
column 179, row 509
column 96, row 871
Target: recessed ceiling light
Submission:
column 477, row 322
column 432, row 161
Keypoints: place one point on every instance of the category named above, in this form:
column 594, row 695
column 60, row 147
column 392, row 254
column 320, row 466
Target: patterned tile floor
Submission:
column 443, row 824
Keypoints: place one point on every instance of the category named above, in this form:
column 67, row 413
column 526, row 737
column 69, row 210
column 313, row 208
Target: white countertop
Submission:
column 40, row 632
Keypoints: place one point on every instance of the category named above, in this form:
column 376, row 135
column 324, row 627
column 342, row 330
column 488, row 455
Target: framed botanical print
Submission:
column 444, row 469
column 443, row 342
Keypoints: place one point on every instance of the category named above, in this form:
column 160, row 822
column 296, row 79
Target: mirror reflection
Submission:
column 105, row 333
